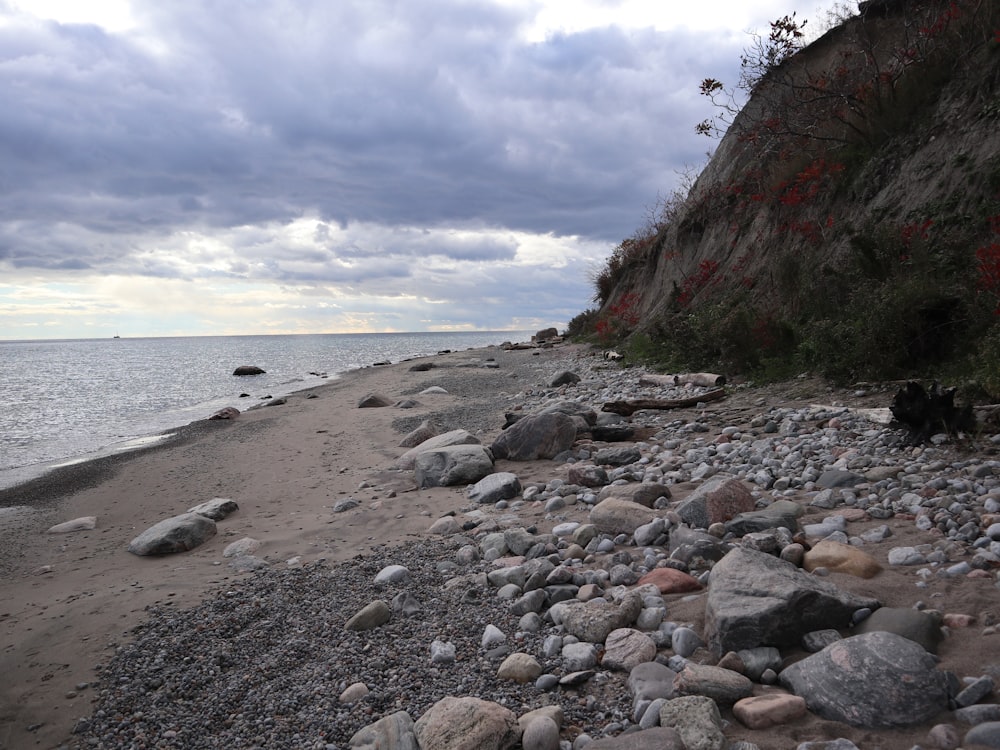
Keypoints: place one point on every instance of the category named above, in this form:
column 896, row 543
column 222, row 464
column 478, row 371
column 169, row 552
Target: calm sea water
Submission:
column 64, row 400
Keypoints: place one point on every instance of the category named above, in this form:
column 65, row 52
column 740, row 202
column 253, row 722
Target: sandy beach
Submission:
column 69, row 600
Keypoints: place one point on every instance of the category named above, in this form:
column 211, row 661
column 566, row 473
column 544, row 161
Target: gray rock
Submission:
column 85, row 523
column 394, row 731
column 617, row 455
column 587, row 475
column 452, row 465
column 536, row 436
column 616, row 515
column 650, row 681
column 178, row 534
column 492, row 488
column 697, row 721
column 975, row 692
column 984, row 735
column 370, row 616
column 405, row 604
column 721, row 685
column 374, row 401
column 873, row 680
column 345, row 504
column 685, row 641
column 626, row 648
column 906, row 556
column 755, row 599
column 244, row 370
column 716, row 501
column 779, row 514
column 461, row 723
column 425, row 431
column 541, row 733
column 921, row 627
column 392, row 574
column 519, row 667
column 978, row 714
column 564, row 378
column 594, row 621
column 442, row 652
column 217, row 508
column 838, row 478
column 696, row 549
column 408, row 460
column 579, row 656
column 819, row 639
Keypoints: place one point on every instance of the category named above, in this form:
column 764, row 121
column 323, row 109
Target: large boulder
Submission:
column 716, row 501
column 872, row 680
column 616, row 515
column 536, row 436
column 452, row 465
column 495, row 487
column 408, row 460
column 178, row 534
column 465, row 723
column 545, row 334
column 756, row 599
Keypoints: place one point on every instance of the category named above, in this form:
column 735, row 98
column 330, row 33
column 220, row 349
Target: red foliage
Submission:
column 807, row 183
column 698, row 281
column 917, row 230
column 989, row 265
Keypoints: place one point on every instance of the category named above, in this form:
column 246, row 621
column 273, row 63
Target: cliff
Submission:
column 849, row 219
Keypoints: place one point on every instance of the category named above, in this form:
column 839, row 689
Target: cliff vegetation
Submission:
column 848, row 222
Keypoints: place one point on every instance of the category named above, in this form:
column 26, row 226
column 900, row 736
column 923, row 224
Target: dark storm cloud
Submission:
column 398, row 114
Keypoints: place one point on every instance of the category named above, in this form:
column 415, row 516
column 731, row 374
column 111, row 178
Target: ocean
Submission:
column 69, row 400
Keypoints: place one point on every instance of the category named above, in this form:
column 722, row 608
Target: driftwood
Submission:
column 705, row 379
column 629, row 407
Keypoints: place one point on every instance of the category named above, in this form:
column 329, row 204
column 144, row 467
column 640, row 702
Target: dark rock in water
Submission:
column 756, row 599
column 178, row 534
column 244, row 395
column 564, row 378
column 920, row 627
column 872, row 680
column 930, row 412
column 384, row 363
column 248, row 370
column 226, row 412
column 536, row 436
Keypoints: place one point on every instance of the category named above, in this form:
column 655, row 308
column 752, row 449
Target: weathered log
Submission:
column 706, row 379
column 629, row 407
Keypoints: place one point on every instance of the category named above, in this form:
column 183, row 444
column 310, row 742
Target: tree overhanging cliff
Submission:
column 849, row 220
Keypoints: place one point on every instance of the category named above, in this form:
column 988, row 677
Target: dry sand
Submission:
column 68, row 599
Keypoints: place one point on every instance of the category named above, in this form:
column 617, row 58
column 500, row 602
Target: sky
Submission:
column 210, row 167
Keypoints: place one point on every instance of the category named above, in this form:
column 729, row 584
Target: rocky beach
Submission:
column 771, row 567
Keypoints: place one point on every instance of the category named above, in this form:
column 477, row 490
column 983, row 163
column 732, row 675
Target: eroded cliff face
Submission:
column 879, row 141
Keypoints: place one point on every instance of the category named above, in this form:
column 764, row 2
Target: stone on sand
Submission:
column 85, row 523
column 177, row 534
column 462, row 723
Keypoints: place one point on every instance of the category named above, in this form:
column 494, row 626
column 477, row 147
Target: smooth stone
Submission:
column 371, row 616
column 519, row 667
column 920, row 627
column 763, row 711
column 394, row 731
column 467, row 722
column 178, row 534
column 657, row 738
column 841, row 558
column 872, row 680
column 392, row 574
column 626, row 648
column 85, row 523
column 245, row 546
column 217, row 508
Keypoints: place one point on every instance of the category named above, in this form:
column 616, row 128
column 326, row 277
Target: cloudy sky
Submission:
column 188, row 167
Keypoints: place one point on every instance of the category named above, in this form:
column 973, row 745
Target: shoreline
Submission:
column 160, row 427
column 71, row 599
column 75, row 602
